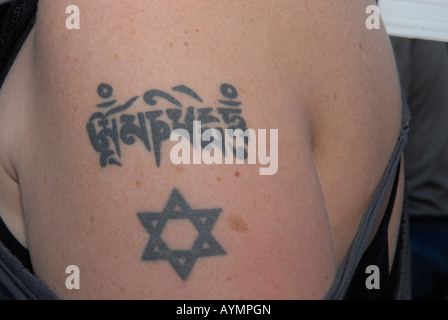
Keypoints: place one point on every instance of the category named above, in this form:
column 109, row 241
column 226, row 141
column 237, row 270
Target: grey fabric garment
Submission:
column 360, row 242
column 423, row 68
column 17, row 283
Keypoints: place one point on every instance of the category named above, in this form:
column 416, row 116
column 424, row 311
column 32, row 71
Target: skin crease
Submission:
column 330, row 89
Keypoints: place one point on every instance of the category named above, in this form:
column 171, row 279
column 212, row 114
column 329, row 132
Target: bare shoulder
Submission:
column 356, row 115
column 179, row 149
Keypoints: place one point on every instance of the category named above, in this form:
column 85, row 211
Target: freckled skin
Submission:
column 237, row 224
column 228, row 42
column 179, row 169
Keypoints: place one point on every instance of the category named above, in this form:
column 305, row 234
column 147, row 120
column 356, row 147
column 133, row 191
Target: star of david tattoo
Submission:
column 205, row 244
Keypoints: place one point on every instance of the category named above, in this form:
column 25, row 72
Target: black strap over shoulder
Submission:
column 16, row 248
column 377, row 254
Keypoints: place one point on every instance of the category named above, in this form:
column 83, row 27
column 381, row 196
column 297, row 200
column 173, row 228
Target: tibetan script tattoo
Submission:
column 115, row 125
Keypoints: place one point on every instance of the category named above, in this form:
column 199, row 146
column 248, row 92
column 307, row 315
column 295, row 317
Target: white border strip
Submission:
column 421, row 19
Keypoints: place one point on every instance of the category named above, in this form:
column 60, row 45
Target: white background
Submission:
column 421, row 19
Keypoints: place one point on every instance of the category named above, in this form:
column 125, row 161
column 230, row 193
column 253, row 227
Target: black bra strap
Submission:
column 377, row 254
column 14, row 246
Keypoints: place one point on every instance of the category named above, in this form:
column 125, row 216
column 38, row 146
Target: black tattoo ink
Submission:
column 111, row 127
column 205, row 117
column 205, row 244
column 129, row 129
column 160, row 132
column 188, row 91
column 231, row 93
column 105, row 91
column 149, row 98
column 101, row 140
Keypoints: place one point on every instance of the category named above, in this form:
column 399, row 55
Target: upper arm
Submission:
column 99, row 186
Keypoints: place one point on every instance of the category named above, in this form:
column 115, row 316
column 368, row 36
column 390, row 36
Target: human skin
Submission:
column 307, row 68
